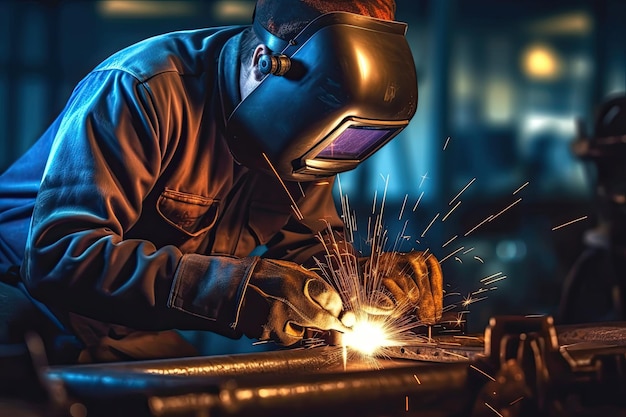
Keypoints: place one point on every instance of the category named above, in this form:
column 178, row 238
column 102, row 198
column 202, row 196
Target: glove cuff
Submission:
column 211, row 287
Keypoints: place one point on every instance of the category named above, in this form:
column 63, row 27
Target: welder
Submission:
column 595, row 289
column 187, row 182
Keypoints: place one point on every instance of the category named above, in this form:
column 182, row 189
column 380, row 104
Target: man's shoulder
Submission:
column 185, row 52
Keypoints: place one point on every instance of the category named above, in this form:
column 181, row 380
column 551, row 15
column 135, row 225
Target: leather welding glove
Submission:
column 282, row 299
column 414, row 281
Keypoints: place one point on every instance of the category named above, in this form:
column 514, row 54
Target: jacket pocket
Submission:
column 191, row 214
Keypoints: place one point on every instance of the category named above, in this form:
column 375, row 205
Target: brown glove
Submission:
column 283, row 299
column 413, row 279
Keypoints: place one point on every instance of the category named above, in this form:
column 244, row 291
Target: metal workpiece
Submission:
column 122, row 388
column 278, row 361
column 302, row 381
column 135, row 379
column 522, row 366
column 404, row 389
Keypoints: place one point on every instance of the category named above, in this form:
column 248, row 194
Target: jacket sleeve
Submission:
column 112, row 144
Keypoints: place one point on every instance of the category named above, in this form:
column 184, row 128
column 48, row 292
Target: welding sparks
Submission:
column 505, row 209
column 520, row 188
column 478, row 225
column 424, row 178
column 491, row 276
column 449, row 241
column 494, row 280
column 471, row 300
column 418, row 201
column 429, row 225
column 359, row 278
column 402, row 209
column 482, row 372
column 451, row 210
column 462, row 191
column 380, row 323
column 494, row 410
column 452, row 254
column 294, row 205
column 570, row 222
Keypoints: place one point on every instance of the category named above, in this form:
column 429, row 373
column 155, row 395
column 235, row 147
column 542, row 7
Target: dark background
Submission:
column 501, row 84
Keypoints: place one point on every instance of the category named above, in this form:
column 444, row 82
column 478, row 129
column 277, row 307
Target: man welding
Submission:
column 144, row 206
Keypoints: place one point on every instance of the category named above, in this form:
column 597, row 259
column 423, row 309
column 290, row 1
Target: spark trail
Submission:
column 357, row 274
column 358, row 277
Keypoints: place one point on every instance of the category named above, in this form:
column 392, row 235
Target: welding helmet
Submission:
column 606, row 148
column 335, row 93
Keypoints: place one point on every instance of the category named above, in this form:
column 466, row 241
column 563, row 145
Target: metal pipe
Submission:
column 305, row 381
column 134, row 378
column 432, row 390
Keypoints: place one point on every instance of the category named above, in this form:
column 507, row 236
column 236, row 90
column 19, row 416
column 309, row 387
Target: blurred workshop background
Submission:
column 501, row 84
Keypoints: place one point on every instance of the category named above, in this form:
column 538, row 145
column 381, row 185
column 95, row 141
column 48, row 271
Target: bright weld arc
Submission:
column 378, row 238
column 389, row 332
column 363, row 330
column 359, row 288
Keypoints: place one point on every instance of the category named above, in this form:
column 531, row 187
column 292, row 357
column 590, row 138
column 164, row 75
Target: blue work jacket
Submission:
column 130, row 211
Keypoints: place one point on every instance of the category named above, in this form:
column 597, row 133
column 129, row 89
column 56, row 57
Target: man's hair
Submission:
column 249, row 42
column 286, row 18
